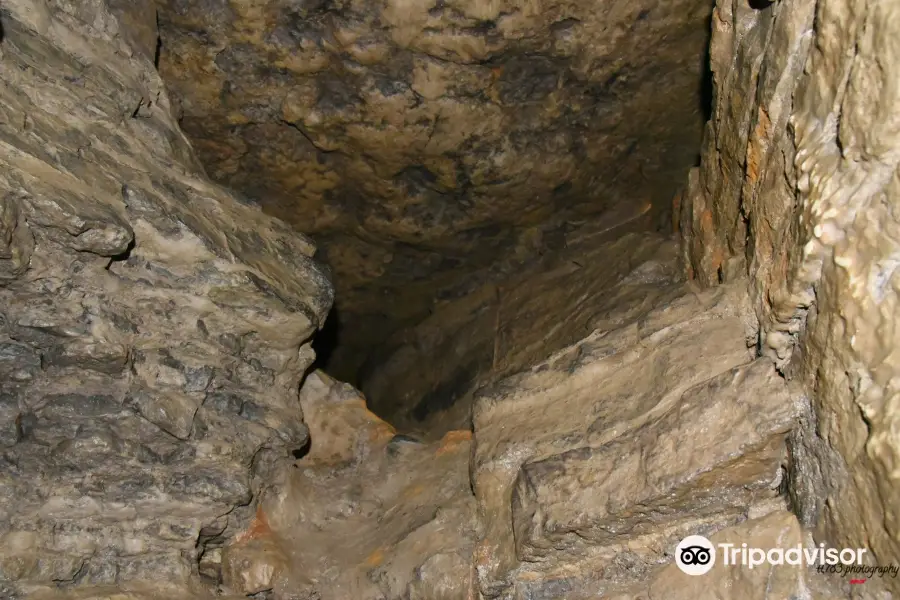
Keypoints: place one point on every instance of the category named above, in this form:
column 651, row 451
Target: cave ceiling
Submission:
column 430, row 146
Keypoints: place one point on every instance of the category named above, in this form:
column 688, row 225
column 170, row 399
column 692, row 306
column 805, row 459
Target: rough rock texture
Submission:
column 156, row 443
column 587, row 469
column 618, row 446
column 431, row 146
column 799, row 186
column 366, row 514
column 153, row 330
column 778, row 529
column 427, row 383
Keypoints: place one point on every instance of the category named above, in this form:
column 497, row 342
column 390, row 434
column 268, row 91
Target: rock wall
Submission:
column 427, row 145
column 153, row 329
column 799, row 186
column 426, row 384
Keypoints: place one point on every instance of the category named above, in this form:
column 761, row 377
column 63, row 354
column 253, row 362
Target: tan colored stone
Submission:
column 609, row 443
column 816, row 185
column 436, row 132
column 776, row 530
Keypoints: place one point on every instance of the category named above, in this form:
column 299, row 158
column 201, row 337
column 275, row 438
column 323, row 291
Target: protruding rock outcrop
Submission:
column 590, row 467
column 153, row 330
column 586, row 470
column 365, row 514
column 798, row 190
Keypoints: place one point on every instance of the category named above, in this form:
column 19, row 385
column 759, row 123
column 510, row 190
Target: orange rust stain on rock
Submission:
column 413, row 491
column 706, row 221
column 452, row 440
column 259, row 528
column 380, row 429
column 757, row 144
column 753, row 157
column 375, row 559
column 381, row 433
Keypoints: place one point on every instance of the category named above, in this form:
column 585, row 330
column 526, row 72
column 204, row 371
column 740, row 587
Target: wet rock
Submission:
column 401, row 442
column 383, row 540
column 779, row 529
column 819, row 204
column 663, row 469
column 613, row 443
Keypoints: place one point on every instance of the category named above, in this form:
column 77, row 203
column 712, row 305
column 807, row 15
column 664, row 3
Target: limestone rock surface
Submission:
column 366, row 514
column 586, row 469
column 425, row 144
column 427, row 383
column 616, row 447
column 153, row 329
column 798, row 188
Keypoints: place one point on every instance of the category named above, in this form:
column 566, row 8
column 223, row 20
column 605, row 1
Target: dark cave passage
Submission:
column 431, row 179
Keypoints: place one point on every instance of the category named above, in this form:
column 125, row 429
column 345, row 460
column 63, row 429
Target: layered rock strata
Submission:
column 153, row 329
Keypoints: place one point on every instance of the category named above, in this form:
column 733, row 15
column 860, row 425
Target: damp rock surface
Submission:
column 366, row 514
column 158, row 438
column 584, row 472
column 607, row 454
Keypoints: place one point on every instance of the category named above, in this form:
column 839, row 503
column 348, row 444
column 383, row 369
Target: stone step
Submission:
column 618, row 446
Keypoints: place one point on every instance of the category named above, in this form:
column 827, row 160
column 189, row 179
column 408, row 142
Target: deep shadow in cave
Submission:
column 326, row 340
column 476, row 180
column 706, row 79
column 563, row 388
